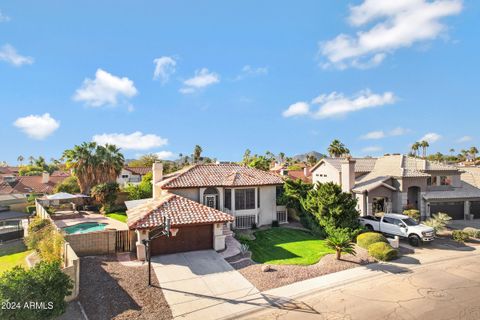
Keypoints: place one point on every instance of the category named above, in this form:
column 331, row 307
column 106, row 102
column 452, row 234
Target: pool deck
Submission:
column 92, row 217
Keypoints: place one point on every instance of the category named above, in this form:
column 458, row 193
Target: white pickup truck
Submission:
column 399, row 225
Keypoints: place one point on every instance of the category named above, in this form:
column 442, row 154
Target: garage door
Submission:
column 453, row 209
column 475, row 209
column 187, row 239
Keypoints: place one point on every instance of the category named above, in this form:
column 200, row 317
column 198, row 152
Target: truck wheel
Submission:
column 369, row 227
column 414, row 240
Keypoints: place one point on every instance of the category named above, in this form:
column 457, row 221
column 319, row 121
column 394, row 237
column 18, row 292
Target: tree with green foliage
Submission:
column 340, row 240
column 20, row 160
column 293, row 193
column 260, row 162
column 94, row 164
column 332, row 207
column 197, row 153
column 337, row 149
column 45, row 284
column 424, row 144
column 473, row 151
column 143, row 190
column 68, row 185
column 146, row 160
column 415, row 147
column 106, row 194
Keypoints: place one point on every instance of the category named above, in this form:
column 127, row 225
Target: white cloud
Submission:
column 297, row 109
column 336, row 104
column 105, row 89
column 380, row 134
column 371, row 149
column 464, row 139
column 4, row 17
column 10, row 55
column 373, row 135
column 399, row 131
column 431, row 137
column 133, row 141
column 202, row 78
column 164, row 68
column 166, row 155
column 249, row 71
column 396, row 24
column 37, row 126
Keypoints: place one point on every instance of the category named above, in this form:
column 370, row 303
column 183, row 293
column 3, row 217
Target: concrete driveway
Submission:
column 201, row 284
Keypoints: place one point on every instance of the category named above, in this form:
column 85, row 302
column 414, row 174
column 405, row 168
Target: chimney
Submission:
column 45, row 177
column 157, row 176
column 306, row 171
column 348, row 174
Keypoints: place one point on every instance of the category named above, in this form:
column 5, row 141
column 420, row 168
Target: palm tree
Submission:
column 452, row 151
column 197, row 152
column 281, row 155
column 424, row 144
column 246, row 156
column 341, row 242
column 93, row 164
column 415, row 148
column 473, row 151
column 20, row 159
column 30, row 160
column 337, row 149
column 463, row 154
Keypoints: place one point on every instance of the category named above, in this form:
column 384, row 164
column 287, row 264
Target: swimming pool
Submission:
column 85, row 227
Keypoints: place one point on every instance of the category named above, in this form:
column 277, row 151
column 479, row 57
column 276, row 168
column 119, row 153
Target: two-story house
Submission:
column 202, row 200
column 132, row 175
column 396, row 182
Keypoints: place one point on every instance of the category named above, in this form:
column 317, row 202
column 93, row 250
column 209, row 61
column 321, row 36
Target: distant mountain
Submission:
column 303, row 156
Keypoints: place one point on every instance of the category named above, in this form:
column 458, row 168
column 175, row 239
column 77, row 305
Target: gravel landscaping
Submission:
column 110, row 290
column 281, row 275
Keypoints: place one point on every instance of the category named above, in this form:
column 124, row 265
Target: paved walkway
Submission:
column 202, row 285
column 233, row 247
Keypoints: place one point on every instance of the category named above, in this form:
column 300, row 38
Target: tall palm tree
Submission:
column 424, row 144
column 93, row 164
column 452, row 151
column 281, row 155
column 415, row 147
column 30, row 160
column 337, row 149
column 463, row 154
column 20, row 159
column 197, row 153
column 473, row 151
column 246, row 156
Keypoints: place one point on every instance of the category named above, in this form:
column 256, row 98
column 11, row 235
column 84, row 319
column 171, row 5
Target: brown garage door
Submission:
column 453, row 209
column 187, row 239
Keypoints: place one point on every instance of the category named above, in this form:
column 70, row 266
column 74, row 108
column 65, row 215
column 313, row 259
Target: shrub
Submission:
column 477, row 234
column 275, row 224
column 460, row 236
column 438, row 222
column 413, row 213
column 472, row 232
column 254, row 225
column 106, row 194
column 244, row 248
column 243, row 237
column 69, row 185
column 38, row 229
column 382, row 251
column 30, row 209
column 364, row 240
column 44, row 283
column 43, row 238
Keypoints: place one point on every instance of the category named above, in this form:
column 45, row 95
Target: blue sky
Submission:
column 236, row 75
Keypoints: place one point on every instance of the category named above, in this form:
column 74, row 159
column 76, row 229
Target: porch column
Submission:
column 466, row 209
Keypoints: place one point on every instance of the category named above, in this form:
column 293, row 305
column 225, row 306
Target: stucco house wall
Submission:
column 189, row 193
column 325, row 172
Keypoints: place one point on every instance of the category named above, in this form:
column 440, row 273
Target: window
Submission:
column 227, row 203
column 432, row 181
column 258, row 197
column 244, row 199
column 124, row 176
column 445, row 180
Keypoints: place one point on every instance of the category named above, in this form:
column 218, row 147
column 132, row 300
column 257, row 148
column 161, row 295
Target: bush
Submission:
column 472, row 232
column 38, row 229
column 438, row 222
column 340, row 240
column 310, row 222
column 364, row 240
column 460, row 236
column 254, row 225
column 44, row 283
column 69, row 185
column 413, row 213
column 30, row 209
column 106, row 194
column 275, row 224
column 43, row 238
column 382, row 251
column 477, row 234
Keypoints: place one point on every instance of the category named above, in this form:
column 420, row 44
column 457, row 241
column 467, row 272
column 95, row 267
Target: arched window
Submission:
column 210, row 197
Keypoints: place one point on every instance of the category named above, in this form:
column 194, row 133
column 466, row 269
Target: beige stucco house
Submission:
column 393, row 183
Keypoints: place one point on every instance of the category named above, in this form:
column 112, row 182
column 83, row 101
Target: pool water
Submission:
column 85, row 227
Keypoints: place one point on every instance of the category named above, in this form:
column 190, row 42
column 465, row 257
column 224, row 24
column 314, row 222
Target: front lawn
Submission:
column 120, row 216
column 287, row 246
column 13, row 254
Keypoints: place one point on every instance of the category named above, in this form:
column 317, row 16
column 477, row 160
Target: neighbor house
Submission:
column 202, row 200
column 26, row 185
column 393, row 183
column 132, row 175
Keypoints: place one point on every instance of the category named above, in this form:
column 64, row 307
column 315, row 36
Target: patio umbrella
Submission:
column 61, row 196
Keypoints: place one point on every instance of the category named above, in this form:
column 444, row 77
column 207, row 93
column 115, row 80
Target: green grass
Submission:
column 120, row 216
column 287, row 246
column 13, row 255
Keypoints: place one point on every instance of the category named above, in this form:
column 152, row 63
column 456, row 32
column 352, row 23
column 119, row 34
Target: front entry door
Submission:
column 210, row 201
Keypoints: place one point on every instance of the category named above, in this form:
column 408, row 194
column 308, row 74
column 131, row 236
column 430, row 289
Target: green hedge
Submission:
column 364, row 240
column 382, row 251
column 472, row 232
column 460, row 236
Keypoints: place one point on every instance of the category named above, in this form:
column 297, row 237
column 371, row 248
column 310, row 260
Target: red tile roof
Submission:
column 181, row 210
column 30, row 184
column 219, row 175
column 299, row 174
column 139, row 170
